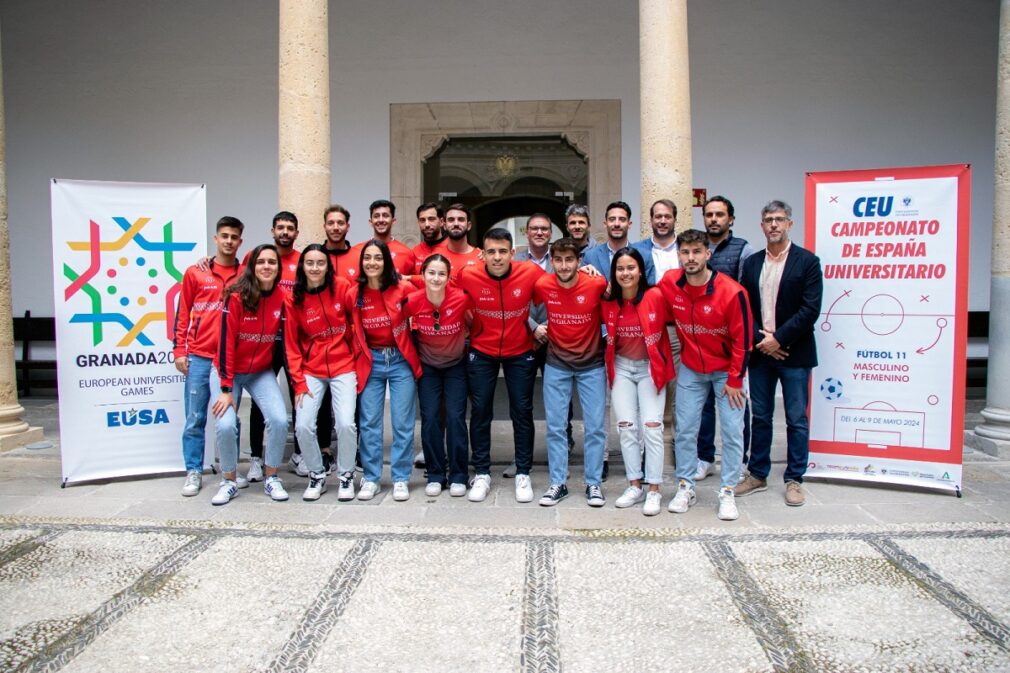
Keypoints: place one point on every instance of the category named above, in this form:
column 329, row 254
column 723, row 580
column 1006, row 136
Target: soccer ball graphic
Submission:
column 831, row 389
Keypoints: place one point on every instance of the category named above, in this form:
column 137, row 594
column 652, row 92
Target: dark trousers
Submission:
column 765, row 373
column 706, row 433
column 520, row 374
column 438, row 389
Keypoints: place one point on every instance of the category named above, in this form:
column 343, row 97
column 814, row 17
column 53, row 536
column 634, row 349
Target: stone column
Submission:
column 665, row 91
column 665, row 99
column 304, row 114
column 14, row 431
column 997, row 404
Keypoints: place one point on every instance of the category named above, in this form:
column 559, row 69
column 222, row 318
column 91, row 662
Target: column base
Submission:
column 29, row 435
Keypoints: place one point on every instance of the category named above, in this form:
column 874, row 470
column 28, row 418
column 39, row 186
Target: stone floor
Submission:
column 126, row 575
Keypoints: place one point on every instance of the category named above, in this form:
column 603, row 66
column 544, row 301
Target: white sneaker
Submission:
column 434, row 489
column 419, row 460
column 274, row 487
column 367, row 490
column 704, row 467
column 653, row 503
column 524, row 488
column 727, row 505
column 457, row 490
column 225, row 493
column 346, row 490
column 480, row 488
column 400, row 491
column 316, row 487
column 631, row 496
column 241, row 481
column 255, row 472
column 194, row 480
column 297, row 465
column 684, row 498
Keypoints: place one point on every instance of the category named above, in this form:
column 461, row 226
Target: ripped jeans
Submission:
column 637, row 408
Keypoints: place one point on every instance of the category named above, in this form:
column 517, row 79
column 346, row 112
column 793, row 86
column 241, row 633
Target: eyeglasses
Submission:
column 778, row 219
column 436, row 326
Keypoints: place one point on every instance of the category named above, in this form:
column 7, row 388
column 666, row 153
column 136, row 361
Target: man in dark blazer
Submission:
column 785, row 285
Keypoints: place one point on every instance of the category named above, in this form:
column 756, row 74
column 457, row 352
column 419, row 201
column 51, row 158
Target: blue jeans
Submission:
column 437, row 387
column 388, row 366
column 706, row 434
column 195, row 401
column 764, row 374
column 592, row 386
column 520, row 374
column 343, row 391
column 263, row 388
column 692, row 389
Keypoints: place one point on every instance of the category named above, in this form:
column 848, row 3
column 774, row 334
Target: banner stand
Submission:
column 119, row 252
column 887, row 397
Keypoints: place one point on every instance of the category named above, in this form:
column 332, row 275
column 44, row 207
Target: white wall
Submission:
column 185, row 91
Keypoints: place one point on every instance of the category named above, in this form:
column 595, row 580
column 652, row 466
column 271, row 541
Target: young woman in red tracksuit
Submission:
column 386, row 356
column 441, row 314
column 253, row 317
column 639, row 365
column 319, row 345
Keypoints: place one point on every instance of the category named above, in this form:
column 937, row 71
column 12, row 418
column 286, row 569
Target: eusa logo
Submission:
column 131, row 417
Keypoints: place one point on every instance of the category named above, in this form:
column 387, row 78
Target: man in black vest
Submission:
column 728, row 254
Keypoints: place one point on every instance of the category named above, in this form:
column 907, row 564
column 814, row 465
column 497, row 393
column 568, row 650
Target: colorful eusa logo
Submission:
column 130, row 281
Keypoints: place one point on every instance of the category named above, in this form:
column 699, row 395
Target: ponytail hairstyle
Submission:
column 302, row 280
column 247, row 287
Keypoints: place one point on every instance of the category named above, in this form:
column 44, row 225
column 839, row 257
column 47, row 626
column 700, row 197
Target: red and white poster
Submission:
column 887, row 399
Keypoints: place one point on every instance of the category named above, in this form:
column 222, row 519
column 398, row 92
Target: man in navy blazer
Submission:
column 617, row 222
column 785, row 285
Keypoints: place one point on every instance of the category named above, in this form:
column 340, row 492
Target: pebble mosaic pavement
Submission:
column 86, row 595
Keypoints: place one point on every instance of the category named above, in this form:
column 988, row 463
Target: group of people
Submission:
column 668, row 329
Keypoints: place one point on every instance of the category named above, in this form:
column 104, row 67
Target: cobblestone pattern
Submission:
column 326, row 609
column 540, row 643
column 541, row 646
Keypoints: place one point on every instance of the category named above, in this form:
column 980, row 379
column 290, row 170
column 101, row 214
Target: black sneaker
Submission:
column 328, row 463
column 594, row 496
column 553, row 495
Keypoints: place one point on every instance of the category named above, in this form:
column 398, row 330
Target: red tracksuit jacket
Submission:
column 713, row 323
column 501, row 308
column 198, row 320
column 319, row 334
column 247, row 337
column 652, row 316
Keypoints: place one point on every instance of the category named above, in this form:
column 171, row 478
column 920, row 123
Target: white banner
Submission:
column 119, row 252
column 887, row 399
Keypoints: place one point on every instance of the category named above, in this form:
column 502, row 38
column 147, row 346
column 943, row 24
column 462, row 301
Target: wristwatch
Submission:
column 225, row 389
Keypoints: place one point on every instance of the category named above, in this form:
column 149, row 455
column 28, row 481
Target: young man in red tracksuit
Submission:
column 574, row 359
column 336, row 224
column 712, row 315
column 500, row 337
column 382, row 217
column 284, row 230
column 431, row 224
column 197, row 335
column 459, row 252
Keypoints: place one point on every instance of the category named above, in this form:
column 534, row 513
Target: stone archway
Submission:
column 417, row 130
